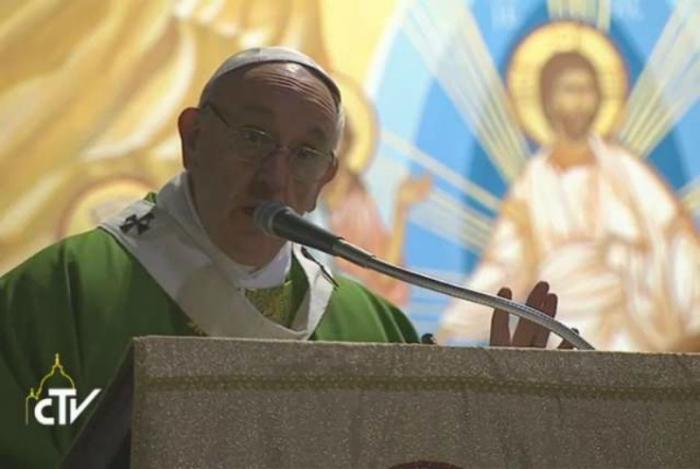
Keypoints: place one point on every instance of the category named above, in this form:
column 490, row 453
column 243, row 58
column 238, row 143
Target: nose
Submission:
column 274, row 173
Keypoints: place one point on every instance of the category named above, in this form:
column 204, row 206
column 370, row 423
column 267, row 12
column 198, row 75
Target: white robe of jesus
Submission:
column 613, row 242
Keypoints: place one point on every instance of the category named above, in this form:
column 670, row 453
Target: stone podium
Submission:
column 222, row 403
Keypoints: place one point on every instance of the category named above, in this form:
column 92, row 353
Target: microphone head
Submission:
column 264, row 215
column 281, row 221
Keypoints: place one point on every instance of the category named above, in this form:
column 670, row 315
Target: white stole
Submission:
column 190, row 277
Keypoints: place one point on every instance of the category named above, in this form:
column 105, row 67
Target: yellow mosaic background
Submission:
column 90, row 93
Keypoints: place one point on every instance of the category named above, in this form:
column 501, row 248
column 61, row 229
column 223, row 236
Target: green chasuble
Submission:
column 84, row 298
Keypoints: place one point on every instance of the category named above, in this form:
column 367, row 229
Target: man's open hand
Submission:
column 527, row 334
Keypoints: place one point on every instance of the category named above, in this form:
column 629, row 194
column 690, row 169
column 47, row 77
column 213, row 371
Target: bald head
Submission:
column 274, row 59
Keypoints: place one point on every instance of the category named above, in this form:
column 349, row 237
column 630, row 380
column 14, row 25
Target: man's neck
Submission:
column 251, row 263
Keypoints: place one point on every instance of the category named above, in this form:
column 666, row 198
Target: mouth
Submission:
column 248, row 208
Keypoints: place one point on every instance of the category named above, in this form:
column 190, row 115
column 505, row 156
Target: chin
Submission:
column 578, row 132
column 578, row 136
column 260, row 241
column 582, row 130
column 255, row 249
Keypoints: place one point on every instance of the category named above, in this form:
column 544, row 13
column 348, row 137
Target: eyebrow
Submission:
column 317, row 132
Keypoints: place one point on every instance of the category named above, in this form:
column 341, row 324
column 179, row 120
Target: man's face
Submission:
column 283, row 101
column 573, row 103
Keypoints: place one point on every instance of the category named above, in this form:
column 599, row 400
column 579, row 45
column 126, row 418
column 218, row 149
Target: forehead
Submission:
column 575, row 73
column 267, row 90
column 280, row 78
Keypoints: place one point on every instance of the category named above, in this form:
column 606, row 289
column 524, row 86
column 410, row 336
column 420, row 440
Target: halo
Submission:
column 99, row 201
column 359, row 111
column 538, row 47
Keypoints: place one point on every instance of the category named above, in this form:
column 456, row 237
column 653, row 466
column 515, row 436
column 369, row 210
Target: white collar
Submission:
column 175, row 198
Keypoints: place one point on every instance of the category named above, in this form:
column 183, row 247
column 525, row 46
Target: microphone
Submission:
column 276, row 219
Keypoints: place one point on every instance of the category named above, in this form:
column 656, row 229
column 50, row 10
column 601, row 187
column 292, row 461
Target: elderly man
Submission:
column 189, row 259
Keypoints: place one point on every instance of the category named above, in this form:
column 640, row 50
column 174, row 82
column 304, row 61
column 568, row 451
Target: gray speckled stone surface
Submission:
column 202, row 402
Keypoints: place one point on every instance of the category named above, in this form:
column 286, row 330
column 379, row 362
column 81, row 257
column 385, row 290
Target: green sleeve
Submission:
column 36, row 322
column 83, row 298
column 356, row 314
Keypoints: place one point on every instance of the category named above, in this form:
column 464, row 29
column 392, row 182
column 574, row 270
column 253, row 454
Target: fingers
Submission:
column 549, row 307
column 500, row 333
column 538, row 294
column 526, row 331
column 566, row 345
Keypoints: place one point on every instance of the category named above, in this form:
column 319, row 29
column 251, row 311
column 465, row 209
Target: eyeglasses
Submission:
column 253, row 145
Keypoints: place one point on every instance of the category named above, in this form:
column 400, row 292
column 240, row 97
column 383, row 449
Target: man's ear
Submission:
column 328, row 177
column 188, row 126
column 330, row 174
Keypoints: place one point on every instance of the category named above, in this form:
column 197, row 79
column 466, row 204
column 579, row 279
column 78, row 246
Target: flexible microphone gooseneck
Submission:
column 276, row 219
